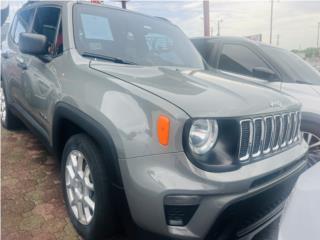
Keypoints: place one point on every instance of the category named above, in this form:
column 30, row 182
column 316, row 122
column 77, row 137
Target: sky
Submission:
column 294, row 26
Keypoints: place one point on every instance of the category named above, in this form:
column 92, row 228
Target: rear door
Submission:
column 13, row 61
column 39, row 77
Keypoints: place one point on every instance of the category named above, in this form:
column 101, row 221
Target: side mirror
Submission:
column 264, row 73
column 33, row 44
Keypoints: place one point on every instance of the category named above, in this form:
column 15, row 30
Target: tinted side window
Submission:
column 27, row 16
column 12, row 30
column 59, row 41
column 202, row 47
column 46, row 23
column 23, row 22
column 239, row 59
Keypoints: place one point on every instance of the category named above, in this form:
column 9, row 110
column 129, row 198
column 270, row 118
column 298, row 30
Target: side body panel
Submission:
column 128, row 113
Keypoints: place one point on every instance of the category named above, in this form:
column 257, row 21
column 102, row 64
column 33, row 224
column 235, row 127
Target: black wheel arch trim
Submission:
column 310, row 117
column 94, row 130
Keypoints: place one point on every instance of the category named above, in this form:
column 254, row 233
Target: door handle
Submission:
column 21, row 63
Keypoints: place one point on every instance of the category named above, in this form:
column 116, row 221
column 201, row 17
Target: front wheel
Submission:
column 86, row 188
column 311, row 134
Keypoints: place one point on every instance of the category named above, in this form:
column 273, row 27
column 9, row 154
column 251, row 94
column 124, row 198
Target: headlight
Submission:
column 212, row 144
column 203, row 135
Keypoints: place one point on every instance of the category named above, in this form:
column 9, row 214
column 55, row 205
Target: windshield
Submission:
column 132, row 38
column 298, row 69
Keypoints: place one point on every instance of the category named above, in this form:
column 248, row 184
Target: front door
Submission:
column 39, row 77
column 14, row 60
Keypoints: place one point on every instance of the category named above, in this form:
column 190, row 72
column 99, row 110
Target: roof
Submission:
column 234, row 38
column 95, row 4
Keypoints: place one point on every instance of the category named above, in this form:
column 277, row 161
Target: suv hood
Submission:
column 200, row 93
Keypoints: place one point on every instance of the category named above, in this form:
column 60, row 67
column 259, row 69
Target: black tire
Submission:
column 103, row 221
column 313, row 128
column 10, row 122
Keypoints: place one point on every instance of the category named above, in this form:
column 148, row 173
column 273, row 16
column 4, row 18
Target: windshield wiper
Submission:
column 107, row 58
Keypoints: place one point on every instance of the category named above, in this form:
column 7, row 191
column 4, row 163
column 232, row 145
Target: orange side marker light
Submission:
column 163, row 127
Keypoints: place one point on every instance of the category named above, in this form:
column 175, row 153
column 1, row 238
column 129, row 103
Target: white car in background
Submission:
column 301, row 218
column 272, row 67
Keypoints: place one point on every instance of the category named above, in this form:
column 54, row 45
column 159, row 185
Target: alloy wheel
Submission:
column 80, row 187
column 3, row 107
column 314, row 147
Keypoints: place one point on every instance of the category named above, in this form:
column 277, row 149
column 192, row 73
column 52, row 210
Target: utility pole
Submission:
column 124, row 4
column 271, row 21
column 206, row 18
column 219, row 22
column 318, row 40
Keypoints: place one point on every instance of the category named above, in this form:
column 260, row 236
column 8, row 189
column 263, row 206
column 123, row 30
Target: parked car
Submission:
column 301, row 218
column 125, row 103
column 274, row 67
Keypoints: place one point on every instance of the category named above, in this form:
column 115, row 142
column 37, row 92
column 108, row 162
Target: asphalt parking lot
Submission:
column 32, row 204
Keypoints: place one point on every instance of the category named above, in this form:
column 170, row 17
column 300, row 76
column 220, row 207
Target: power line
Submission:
column 219, row 26
column 318, row 35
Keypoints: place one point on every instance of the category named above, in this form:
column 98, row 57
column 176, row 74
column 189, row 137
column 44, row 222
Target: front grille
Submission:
column 277, row 129
column 269, row 124
column 258, row 136
column 262, row 135
column 284, row 130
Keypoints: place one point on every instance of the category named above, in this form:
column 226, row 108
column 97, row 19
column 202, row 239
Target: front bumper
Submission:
column 149, row 180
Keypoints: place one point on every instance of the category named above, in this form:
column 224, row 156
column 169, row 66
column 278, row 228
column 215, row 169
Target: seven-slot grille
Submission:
column 262, row 135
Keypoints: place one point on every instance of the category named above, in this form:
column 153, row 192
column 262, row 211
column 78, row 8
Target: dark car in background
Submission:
column 273, row 67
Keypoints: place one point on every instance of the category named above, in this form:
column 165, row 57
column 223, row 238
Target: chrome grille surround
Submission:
column 260, row 136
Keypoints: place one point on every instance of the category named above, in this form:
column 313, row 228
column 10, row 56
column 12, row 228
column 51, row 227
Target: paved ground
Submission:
column 32, row 205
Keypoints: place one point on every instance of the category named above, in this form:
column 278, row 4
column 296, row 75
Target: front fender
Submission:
column 95, row 130
column 134, row 119
column 311, row 117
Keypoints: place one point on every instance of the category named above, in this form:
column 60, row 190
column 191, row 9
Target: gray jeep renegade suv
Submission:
column 125, row 101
